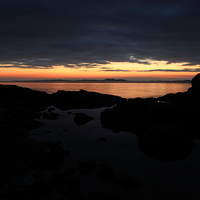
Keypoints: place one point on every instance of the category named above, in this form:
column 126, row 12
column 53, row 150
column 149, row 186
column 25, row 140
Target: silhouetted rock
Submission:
column 42, row 187
column 166, row 142
column 24, row 102
column 13, row 167
column 15, row 118
column 51, row 160
column 196, row 82
column 25, row 149
column 66, row 100
column 21, row 107
column 82, row 119
column 23, row 97
column 109, row 195
column 17, row 193
column 128, row 117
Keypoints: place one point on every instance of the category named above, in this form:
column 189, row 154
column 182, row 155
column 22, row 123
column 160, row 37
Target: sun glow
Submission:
column 126, row 70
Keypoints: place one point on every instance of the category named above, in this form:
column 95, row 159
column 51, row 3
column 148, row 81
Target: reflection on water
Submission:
column 125, row 90
column 119, row 149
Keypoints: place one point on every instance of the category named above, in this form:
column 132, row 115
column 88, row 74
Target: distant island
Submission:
column 108, row 80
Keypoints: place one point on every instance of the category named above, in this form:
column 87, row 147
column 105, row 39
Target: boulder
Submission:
column 166, row 142
column 126, row 117
column 67, row 100
column 42, row 187
column 26, row 149
column 196, row 82
column 13, row 167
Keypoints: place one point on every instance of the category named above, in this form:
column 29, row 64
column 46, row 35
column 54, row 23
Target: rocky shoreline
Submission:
column 166, row 128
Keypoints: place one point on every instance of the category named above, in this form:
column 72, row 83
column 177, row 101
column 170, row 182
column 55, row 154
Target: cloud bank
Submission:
column 85, row 33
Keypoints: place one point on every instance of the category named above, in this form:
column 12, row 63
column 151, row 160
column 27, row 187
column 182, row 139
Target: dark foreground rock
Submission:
column 66, row 100
column 166, row 142
column 129, row 116
column 196, row 82
column 147, row 118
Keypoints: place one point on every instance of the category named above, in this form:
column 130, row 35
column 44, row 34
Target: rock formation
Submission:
column 196, row 82
column 166, row 142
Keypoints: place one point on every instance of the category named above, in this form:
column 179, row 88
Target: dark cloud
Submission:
column 108, row 69
column 115, row 70
column 171, row 70
column 85, row 33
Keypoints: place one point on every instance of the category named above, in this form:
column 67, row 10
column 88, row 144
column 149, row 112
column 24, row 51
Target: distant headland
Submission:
column 108, row 80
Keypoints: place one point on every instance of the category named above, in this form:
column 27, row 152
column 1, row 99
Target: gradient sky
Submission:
column 131, row 39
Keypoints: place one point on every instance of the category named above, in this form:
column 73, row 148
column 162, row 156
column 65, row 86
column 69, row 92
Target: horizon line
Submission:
column 107, row 80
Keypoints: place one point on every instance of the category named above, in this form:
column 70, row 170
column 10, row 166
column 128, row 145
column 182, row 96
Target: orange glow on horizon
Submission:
column 129, row 71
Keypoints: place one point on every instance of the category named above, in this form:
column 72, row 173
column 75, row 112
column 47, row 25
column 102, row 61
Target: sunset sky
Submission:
column 97, row 39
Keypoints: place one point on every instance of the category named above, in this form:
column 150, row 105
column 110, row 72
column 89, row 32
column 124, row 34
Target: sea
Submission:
column 125, row 90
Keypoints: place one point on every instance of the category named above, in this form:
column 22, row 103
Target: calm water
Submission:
column 121, row 151
column 125, row 90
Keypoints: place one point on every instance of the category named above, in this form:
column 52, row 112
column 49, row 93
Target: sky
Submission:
column 98, row 39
